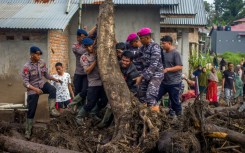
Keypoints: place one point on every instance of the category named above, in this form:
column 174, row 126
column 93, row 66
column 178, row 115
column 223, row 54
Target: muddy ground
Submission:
column 63, row 132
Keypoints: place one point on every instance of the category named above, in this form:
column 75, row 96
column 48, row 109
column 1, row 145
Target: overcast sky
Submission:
column 210, row 1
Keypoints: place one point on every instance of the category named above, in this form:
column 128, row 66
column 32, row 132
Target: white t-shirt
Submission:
column 62, row 90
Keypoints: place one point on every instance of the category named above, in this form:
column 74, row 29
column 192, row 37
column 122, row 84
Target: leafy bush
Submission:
column 199, row 59
column 232, row 57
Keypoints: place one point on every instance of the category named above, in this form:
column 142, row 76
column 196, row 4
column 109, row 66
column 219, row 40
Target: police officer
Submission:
column 151, row 75
column 80, row 77
column 96, row 96
column 33, row 72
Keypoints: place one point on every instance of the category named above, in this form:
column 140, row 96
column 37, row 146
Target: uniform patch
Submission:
column 84, row 58
column 34, row 72
column 26, row 70
column 77, row 45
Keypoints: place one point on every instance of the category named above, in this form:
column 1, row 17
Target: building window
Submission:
column 239, row 41
column 25, row 38
column 9, row 37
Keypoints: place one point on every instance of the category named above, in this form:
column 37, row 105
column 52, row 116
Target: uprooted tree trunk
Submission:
column 113, row 82
column 123, row 105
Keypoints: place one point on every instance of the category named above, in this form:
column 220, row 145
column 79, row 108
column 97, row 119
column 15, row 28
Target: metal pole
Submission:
column 68, row 6
column 80, row 15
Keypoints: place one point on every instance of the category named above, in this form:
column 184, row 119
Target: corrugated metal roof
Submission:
column 240, row 20
column 33, row 1
column 199, row 19
column 24, row 14
column 140, row 2
column 184, row 7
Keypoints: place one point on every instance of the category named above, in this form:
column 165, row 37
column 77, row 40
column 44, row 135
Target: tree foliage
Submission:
column 224, row 12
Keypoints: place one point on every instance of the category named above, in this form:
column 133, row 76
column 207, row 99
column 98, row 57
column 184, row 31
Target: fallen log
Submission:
column 19, row 146
column 215, row 131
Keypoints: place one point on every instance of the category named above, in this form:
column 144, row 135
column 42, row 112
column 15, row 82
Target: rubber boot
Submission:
column 81, row 114
column 80, row 104
column 75, row 101
column 29, row 123
column 106, row 119
column 52, row 110
column 94, row 113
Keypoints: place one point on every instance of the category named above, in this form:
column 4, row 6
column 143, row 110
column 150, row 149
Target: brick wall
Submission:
column 58, row 46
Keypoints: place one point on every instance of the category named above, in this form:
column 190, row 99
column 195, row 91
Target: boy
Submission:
column 129, row 72
column 63, row 90
column 96, row 95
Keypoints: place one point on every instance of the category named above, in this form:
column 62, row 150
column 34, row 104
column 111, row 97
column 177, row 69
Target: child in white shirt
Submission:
column 64, row 91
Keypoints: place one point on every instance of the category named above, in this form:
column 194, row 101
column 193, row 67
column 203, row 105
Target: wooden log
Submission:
column 19, row 146
column 219, row 132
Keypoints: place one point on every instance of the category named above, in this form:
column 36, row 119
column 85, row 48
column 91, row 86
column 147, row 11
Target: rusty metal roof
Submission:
column 25, row 14
column 139, row 2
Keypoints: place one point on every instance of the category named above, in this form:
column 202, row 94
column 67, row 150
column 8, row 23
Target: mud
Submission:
column 176, row 135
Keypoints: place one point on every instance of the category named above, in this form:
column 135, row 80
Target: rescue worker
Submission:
column 134, row 47
column 96, row 96
column 172, row 81
column 80, row 77
column 129, row 72
column 151, row 75
column 33, row 72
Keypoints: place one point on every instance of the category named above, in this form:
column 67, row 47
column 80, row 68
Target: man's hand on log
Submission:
column 138, row 80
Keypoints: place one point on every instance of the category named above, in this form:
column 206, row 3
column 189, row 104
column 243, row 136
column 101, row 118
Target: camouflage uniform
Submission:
column 152, row 73
column 137, row 54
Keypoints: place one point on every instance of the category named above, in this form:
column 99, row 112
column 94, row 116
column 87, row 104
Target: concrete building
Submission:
column 231, row 38
column 24, row 23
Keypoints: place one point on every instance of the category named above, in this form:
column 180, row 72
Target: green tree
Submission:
column 207, row 6
column 227, row 11
column 210, row 13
